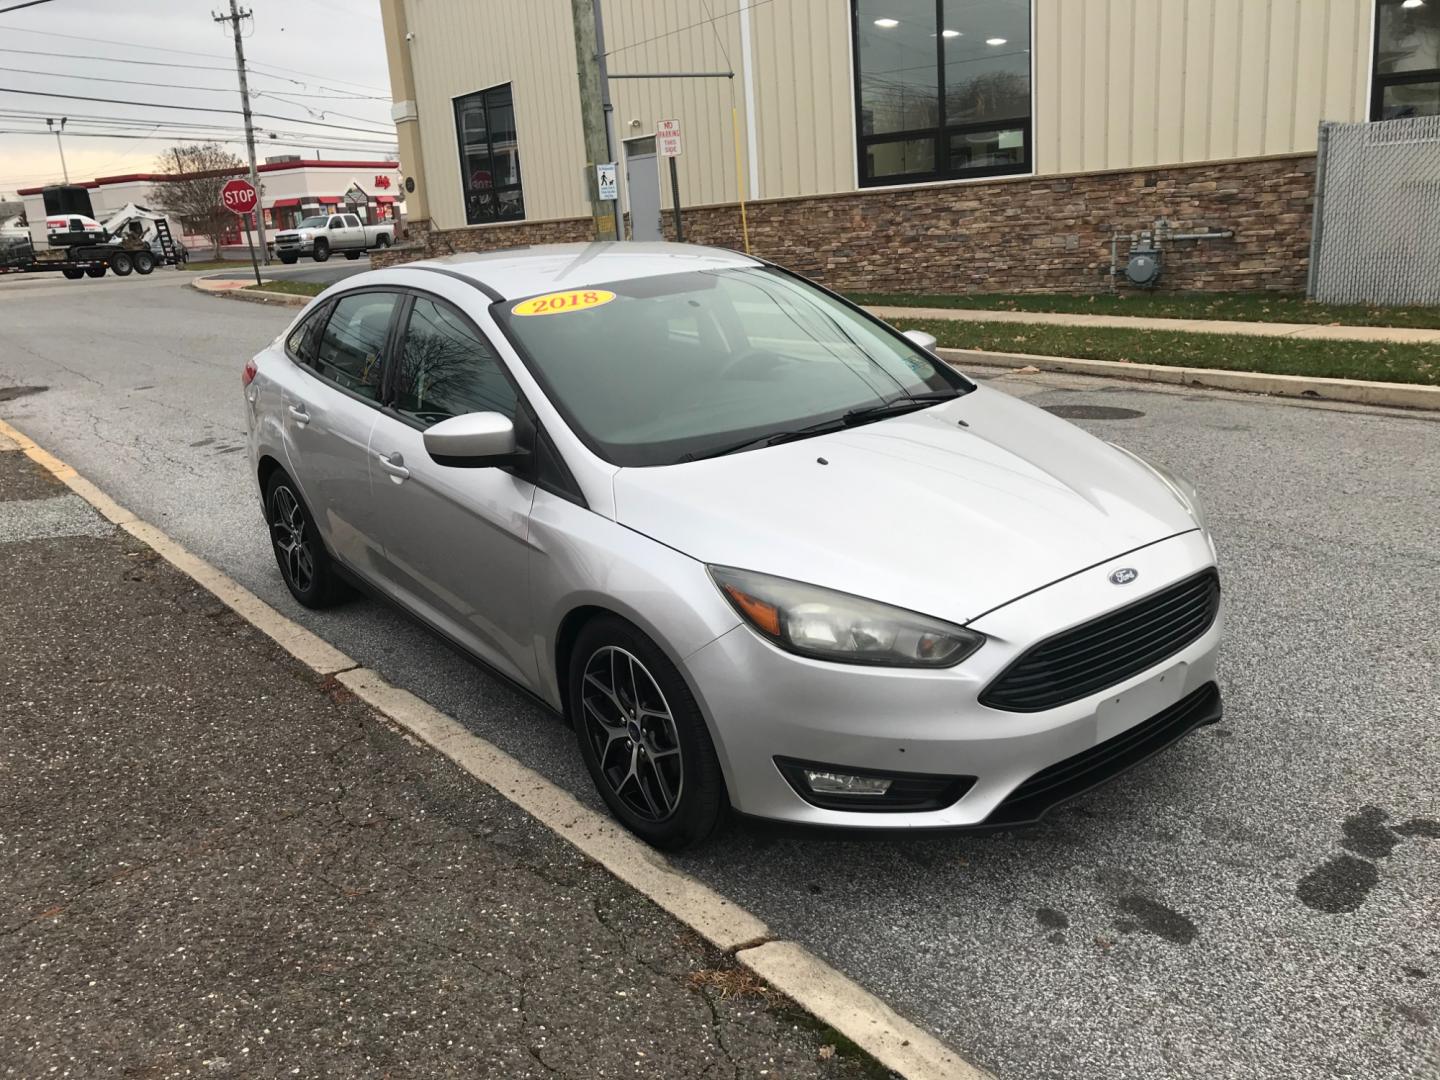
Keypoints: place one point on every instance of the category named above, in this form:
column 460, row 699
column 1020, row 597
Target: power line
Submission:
column 28, row 3
column 250, row 67
column 188, row 108
column 185, row 52
column 182, row 86
column 690, row 26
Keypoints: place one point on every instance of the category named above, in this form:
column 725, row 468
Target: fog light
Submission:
column 834, row 783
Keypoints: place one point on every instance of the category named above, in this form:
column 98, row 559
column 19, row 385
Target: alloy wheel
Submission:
column 632, row 731
column 287, row 531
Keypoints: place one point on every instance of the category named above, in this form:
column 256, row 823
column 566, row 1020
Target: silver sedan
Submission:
column 762, row 551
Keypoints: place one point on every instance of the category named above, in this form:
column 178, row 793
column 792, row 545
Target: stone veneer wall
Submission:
column 1025, row 234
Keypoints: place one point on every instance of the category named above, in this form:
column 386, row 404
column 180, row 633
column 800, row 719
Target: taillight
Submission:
column 248, row 375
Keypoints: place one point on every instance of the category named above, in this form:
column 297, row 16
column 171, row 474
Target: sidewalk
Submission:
column 217, row 864
column 1303, row 331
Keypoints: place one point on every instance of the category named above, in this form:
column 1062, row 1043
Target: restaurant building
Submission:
column 912, row 145
column 290, row 188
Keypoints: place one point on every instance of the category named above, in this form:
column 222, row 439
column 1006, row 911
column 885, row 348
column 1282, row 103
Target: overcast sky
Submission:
column 296, row 48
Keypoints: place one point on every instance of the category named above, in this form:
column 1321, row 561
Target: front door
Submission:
column 642, row 183
column 457, row 540
column 331, row 402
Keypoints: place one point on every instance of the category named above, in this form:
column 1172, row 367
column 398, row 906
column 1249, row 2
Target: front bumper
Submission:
column 764, row 703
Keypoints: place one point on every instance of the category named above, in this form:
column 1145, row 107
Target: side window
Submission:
column 303, row 339
column 352, row 221
column 336, row 222
column 446, row 369
column 349, row 352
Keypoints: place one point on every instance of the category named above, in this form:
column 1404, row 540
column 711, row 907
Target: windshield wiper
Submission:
column 894, row 407
column 775, row 438
column 897, row 406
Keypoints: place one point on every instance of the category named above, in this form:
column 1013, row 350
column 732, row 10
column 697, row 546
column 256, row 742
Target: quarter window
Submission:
column 489, row 156
column 942, row 89
column 303, row 339
column 351, row 348
column 446, row 369
column 1407, row 60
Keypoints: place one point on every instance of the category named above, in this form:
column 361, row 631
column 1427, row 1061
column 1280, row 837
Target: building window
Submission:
column 1407, row 59
column 489, row 156
column 942, row 89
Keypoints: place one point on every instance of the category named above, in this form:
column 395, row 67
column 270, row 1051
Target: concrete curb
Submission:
column 830, row 996
column 1355, row 391
column 255, row 296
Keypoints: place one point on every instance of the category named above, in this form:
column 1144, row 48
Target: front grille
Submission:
column 1090, row 768
column 1104, row 651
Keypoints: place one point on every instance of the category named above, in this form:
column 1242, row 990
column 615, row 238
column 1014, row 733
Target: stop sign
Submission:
column 238, row 196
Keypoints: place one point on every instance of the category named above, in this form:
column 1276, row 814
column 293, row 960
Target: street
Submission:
column 1260, row 901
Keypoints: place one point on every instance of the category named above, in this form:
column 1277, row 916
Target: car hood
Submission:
column 917, row 511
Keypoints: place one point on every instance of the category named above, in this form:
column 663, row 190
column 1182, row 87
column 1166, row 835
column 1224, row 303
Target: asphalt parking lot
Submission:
column 1258, row 902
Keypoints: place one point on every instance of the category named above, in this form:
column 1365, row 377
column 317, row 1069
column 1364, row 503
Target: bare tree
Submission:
column 194, row 197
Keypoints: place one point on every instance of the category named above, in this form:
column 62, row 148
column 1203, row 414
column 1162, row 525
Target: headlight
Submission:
column 829, row 625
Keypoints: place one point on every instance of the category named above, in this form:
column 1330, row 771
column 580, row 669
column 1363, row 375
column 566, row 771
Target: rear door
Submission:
column 329, row 408
column 457, row 547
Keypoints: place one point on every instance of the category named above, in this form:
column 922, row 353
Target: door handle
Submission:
column 300, row 415
column 394, row 464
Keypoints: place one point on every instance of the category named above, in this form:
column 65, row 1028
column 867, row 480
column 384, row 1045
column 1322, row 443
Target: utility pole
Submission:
column 236, row 15
column 594, row 102
column 51, row 124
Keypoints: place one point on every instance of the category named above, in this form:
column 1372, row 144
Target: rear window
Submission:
column 350, row 352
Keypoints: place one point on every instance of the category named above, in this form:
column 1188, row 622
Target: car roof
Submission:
column 520, row 272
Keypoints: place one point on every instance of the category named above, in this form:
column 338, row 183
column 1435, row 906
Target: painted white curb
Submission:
column 1354, row 391
column 856, row 1013
column 830, row 996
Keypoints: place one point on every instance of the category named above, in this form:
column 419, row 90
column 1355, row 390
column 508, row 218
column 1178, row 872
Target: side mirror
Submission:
column 472, row 441
column 921, row 338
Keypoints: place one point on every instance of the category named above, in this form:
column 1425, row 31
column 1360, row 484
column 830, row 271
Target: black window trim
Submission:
column 1380, row 81
column 519, row 184
column 942, row 131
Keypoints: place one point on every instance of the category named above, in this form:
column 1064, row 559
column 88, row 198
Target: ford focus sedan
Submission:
column 759, row 549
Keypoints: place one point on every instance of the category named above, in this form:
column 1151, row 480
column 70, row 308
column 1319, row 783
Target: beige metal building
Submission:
column 1008, row 142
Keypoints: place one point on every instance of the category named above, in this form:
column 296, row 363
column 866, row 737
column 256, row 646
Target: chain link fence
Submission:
column 1377, row 213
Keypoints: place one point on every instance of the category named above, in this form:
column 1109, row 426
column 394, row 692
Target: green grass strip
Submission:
column 1224, row 307
column 1372, row 360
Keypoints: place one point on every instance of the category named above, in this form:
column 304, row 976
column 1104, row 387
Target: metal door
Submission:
column 642, row 184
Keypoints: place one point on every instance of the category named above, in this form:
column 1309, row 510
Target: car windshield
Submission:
column 313, row 222
column 658, row 370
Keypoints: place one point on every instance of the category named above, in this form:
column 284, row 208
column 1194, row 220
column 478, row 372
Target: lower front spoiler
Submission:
column 1089, row 769
column 1071, row 778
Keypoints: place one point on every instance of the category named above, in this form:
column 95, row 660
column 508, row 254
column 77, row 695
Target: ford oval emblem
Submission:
column 1124, row 576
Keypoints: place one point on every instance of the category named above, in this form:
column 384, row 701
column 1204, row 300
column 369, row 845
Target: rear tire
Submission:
column 322, row 250
column 382, row 241
column 642, row 736
column 353, row 255
column 73, row 275
column 121, row 264
column 144, row 262
column 306, row 566
column 95, row 271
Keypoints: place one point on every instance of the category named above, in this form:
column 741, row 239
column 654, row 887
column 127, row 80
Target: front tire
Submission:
column 322, row 250
column 289, row 260
column 306, row 566
column 642, row 737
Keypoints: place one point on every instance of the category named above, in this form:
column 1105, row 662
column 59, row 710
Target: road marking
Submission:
column 833, row 998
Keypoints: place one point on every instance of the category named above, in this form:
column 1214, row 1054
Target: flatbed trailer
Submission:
column 83, row 260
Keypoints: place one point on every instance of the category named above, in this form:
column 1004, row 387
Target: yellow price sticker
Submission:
column 561, row 303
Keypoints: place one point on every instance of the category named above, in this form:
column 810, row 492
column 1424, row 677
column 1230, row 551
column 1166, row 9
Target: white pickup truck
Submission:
column 325, row 233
